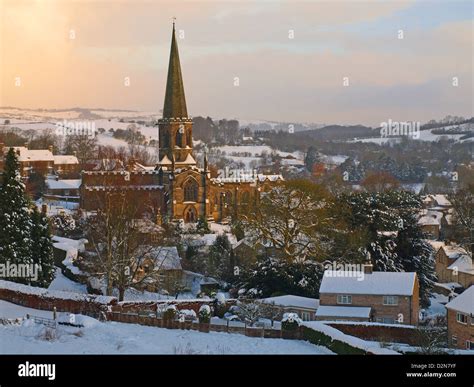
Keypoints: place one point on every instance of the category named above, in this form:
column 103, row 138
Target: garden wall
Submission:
column 44, row 299
column 382, row 333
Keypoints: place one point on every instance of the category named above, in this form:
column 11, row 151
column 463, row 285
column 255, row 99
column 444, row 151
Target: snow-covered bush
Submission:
column 220, row 306
column 204, row 314
column 64, row 224
column 170, row 312
column 290, row 321
column 187, row 314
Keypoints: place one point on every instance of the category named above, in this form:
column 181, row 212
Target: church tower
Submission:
column 175, row 128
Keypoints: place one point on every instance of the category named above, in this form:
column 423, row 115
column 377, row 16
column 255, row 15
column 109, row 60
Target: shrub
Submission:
column 290, row 322
column 170, row 313
column 204, row 314
column 339, row 347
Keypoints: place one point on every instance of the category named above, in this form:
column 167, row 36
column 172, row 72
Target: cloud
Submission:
column 296, row 79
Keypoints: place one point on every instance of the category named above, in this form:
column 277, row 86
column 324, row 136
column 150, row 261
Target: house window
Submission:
column 470, row 345
column 305, row 316
column 344, row 299
column 454, row 340
column 190, row 191
column 461, row 318
column 385, row 320
column 390, row 300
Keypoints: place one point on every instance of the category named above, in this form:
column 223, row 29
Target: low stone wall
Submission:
column 382, row 333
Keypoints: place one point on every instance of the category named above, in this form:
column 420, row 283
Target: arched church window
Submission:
column 191, row 191
column 179, row 138
column 245, row 198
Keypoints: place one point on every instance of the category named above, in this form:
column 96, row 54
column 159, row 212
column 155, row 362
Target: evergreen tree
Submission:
column 42, row 249
column 202, row 226
column 395, row 241
column 311, row 158
column 221, row 258
column 416, row 255
column 271, row 276
column 15, row 222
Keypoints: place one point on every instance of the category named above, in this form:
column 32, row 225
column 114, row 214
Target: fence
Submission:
column 151, row 320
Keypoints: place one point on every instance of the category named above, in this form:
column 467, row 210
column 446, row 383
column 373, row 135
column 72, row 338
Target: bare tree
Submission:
column 463, row 205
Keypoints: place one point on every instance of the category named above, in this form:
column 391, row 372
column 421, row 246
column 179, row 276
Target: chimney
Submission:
column 368, row 268
column 51, row 148
column 25, row 145
column 44, row 209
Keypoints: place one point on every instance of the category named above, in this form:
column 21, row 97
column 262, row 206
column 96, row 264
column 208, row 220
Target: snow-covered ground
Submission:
column 62, row 283
column 118, row 338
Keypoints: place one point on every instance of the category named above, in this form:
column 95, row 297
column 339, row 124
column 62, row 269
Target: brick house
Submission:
column 430, row 223
column 461, row 320
column 387, row 297
column 165, row 261
column 41, row 161
column 62, row 189
column 454, row 264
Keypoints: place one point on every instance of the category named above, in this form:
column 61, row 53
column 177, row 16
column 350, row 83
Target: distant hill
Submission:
column 340, row 132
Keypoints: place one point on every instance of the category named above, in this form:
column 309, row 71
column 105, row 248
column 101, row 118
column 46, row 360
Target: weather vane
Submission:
column 174, row 19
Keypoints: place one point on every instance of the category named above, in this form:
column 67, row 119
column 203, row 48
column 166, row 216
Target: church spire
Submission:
column 175, row 101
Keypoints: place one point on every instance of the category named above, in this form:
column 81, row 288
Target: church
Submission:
column 177, row 188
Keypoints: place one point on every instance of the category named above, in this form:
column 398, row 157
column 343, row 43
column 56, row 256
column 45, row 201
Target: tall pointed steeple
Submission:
column 175, row 101
column 175, row 128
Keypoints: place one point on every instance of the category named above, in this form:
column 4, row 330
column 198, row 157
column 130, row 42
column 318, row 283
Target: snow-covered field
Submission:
column 118, row 338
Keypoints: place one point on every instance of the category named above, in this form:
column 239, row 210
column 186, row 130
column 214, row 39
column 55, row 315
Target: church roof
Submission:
column 165, row 161
column 189, row 159
column 175, row 101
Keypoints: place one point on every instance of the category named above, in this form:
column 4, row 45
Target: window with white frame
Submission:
column 344, row 299
column 461, row 318
column 454, row 340
column 305, row 316
column 469, row 345
column 390, row 300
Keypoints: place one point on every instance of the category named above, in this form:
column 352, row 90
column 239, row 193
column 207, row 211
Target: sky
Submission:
column 332, row 62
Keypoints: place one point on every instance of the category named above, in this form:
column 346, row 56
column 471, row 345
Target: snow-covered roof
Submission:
column 63, row 184
column 382, row 283
column 293, row 301
column 164, row 257
column 464, row 302
column 343, row 311
column 165, row 161
column 65, row 159
column 262, row 177
column 454, row 251
column 430, row 218
column 463, row 264
column 26, row 154
column 442, row 200
column 189, row 160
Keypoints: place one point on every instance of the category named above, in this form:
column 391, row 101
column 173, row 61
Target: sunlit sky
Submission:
column 79, row 53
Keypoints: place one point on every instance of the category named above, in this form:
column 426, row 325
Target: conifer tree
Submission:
column 42, row 249
column 15, row 221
